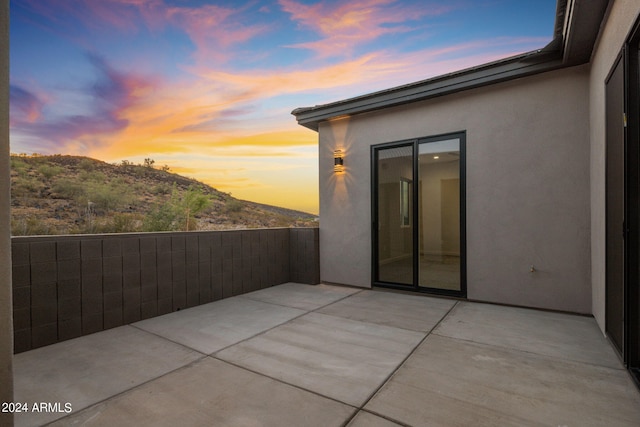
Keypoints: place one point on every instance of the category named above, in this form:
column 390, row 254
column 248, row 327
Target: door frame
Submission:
column 630, row 59
column 632, row 196
column 616, row 233
column 415, row 143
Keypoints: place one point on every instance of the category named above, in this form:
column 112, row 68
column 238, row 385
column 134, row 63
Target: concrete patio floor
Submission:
column 301, row 355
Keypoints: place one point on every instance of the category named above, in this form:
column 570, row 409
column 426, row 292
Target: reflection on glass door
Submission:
column 439, row 210
column 395, row 213
column 419, row 214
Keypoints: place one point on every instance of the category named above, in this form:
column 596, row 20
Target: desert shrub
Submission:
column 103, row 196
column 100, row 195
column 38, row 159
column 140, row 171
column 30, row 226
column 92, row 175
column 26, row 187
column 109, row 196
column 19, row 166
column 125, row 223
column 119, row 181
column 139, row 187
column 87, row 227
column 194, row 201
column 160, row 218
column 119, row 223
column 68, row 189
column 233, row 205
column 49, row 171
column 86, row 165
column 162, row 188
column 178, row 213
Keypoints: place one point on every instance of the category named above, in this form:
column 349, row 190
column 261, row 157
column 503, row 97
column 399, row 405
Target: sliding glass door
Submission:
column 418, row 211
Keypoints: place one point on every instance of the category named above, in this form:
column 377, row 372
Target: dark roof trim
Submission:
column 572, row 45
column 582, row 26
column 450, row 83
column 561, row 9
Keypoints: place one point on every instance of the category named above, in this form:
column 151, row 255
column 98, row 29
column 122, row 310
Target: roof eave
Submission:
column 572, row 45
column 582, row 21
column 486, row 74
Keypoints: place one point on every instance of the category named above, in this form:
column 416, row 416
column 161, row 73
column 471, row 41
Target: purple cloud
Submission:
column 25, row 106
column 110, row 95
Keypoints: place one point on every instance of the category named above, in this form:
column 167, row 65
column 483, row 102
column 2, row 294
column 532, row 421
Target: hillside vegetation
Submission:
column 71, row 194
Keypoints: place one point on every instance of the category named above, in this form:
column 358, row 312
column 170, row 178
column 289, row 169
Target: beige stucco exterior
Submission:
column 527, row 175
column 6, row 318
column 535, row 181
column 620, row 21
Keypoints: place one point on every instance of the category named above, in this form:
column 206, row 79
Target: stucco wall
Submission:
column 527, row 188
column 618, row 25
column 6, row 328
column 345, row 206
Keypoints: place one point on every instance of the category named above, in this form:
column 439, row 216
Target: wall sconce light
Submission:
column 338, row 161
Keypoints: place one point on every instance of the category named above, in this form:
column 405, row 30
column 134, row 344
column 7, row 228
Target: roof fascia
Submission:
column 583, row 20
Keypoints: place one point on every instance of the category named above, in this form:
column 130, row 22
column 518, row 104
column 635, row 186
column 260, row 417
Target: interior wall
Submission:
column 432, row 214
column 619, row 23
column 6, row 322
column 390, row 169
column 395, row 240
column 527, row 171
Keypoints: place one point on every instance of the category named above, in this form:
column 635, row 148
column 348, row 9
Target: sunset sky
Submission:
column 207, row 87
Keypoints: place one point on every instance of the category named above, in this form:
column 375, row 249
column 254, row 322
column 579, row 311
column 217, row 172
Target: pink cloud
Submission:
column 343, row 26
column 121, row 15
column 213, row 29
column 373, row 71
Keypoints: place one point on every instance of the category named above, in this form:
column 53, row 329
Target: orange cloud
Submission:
column 219, row 109
column 260, row 83
column 279, row 139
column 382, row 69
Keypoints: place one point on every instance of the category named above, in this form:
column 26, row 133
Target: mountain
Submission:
column 62, row 194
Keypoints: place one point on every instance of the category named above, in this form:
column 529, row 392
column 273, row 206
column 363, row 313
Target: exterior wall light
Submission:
column 338, row 161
